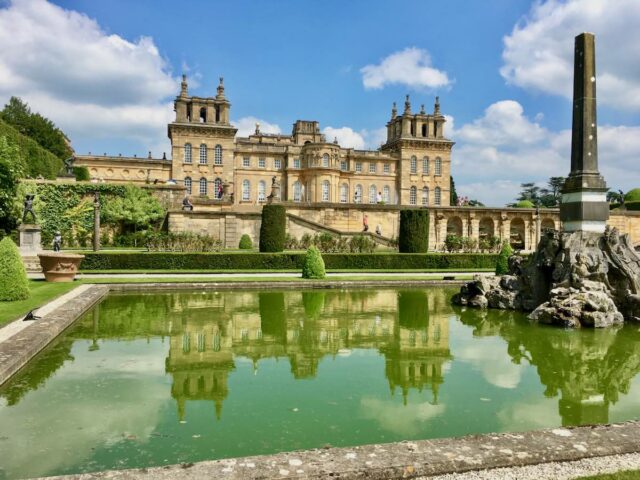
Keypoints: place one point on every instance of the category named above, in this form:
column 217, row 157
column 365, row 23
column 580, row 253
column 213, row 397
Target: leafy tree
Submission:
column 453, row 198
column 18, row 114
column 476, row 203
column 551, row 194
column 10, row 172
column 615, row 197
column 135, row 209
column 530, row 191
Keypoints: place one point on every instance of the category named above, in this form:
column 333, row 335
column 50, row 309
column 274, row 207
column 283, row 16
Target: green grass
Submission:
column 41, row 293
column 626, row 475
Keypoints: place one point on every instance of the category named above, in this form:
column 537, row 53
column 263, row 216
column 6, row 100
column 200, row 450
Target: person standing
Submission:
column 365, row 223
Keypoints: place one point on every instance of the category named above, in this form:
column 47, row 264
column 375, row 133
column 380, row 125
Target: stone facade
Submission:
column 137, row 170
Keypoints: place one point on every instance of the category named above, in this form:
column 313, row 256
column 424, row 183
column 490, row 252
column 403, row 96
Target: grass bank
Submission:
column 41, row 292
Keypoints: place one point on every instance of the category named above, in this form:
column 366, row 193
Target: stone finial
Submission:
column 407, row 105
column 394, row 111
column 335, row 140
column 220, row 95
column 422, row 112
column 184, row 87
column 436, row 107
column 164, row 155
column 149, row 156
column 257, row 128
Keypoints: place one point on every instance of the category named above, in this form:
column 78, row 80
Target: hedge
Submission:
column 414, row 231
column 313, row 264
column 273, row 228
column 284, row 261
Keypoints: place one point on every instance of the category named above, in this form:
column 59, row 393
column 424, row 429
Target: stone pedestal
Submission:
column 30, row 238
column 275, row 194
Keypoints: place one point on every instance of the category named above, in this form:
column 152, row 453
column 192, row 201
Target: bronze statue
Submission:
column 28, row 208
column 57, row 241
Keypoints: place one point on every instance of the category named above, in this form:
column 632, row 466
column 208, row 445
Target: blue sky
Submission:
column 106, row 71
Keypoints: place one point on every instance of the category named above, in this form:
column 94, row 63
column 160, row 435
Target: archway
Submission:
column 547, row 224
column 486, row 230
column 454, row 226
column 516, row 235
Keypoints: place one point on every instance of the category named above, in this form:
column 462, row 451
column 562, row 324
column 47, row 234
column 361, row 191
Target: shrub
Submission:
column 272, row 228
column 414, row 231
column 632, row 199
column 245, row 242
column 305, row 241
column 313, row 264
column 502, row 265
column 524, row 204
column 453, row 243
column 13, row 276
column 182, row 242
column 362, row 244
column 290, row 243
column 81, row 173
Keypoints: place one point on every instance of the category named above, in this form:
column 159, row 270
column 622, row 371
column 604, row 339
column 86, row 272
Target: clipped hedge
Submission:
column 13, row 276
column 284, row 261
column 245, row 242
column 313, row 264
column 273, row 228
column 414, row 231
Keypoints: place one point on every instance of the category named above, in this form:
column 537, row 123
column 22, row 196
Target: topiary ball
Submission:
column 313, row 264
column 245, row 242
column 525, row 204
column 13, row 276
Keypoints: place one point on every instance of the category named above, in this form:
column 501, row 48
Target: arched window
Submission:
column 203, row 186
column 217, row 188
column 187, row 153
column 217, row 107
column 344, row 193
column 203, row 153
column 372, row 194
column 203, row 115
column 187, row 185
column 438, row 196
column 414, row 164
column 412, row 195
column 357, row 194
column 325, row 191
column 297, row 192
column 246, row 190
column 325, row 160
column 386, row 194
column 425, row 196
column 262, row 191
column 217, row 157
column 438, row 167
column 425, row 165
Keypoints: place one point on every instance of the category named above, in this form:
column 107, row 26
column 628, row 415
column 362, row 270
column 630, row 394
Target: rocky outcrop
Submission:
column 578, row 279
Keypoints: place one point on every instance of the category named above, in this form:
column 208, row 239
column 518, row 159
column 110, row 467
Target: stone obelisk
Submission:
column 584, row 204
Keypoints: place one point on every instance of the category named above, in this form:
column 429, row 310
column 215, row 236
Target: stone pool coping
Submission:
column 410, row 459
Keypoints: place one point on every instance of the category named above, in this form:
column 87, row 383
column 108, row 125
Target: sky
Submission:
column 106, row 72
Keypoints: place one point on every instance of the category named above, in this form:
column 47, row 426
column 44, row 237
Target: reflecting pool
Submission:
column 162, row 378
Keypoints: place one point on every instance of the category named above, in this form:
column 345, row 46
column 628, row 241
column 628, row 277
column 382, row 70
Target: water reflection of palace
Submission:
column 209, row 331
column 587, row 370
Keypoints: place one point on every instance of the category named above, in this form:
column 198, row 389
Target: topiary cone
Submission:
column 14, row 284
column 313, row 264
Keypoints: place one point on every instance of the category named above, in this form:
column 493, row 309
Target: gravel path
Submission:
column 552, row 471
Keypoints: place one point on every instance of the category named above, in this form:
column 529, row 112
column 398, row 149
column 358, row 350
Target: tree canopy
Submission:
column 548, row 196
column 136, row 208
column 10, row 172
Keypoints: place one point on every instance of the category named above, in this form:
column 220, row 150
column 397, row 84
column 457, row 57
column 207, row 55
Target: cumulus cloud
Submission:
column 504, row 147
column 90, row 83
column 411, row 67
column 538, row 53
column 247, row 126
column 349, row 138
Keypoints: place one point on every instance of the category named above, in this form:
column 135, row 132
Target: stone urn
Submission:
column 59, row 267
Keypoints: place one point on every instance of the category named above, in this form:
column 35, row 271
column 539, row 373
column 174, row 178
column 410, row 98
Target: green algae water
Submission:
column 154, row 379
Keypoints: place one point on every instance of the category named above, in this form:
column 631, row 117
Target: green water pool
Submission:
column 163, row 378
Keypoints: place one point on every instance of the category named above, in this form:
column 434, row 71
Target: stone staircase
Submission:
column 32, row 263
column 318, row 227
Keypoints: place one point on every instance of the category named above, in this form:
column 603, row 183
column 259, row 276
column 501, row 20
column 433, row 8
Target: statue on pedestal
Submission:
column 28, row 208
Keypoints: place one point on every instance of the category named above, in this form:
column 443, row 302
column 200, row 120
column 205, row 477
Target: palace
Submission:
column 413, row 166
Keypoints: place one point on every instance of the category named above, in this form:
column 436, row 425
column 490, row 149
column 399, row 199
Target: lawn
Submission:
column 41, row 293
column 626, row 475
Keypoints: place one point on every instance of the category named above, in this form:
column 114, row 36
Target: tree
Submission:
column 273, row 228
column 135, row 209
column 550, row 196
column 10, row 172
column 414, row 231
column 18, row 114
column 530, row 191
column 453, row 197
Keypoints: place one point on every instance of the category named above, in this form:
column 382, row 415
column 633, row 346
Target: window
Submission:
column 425, row 196
column 414, row 165
column 358, row 167
column 246, row 162
column 325, row 160
column 386, row 194
column 372, row 194
column 357, row 194
column 187, row 153
column 262, row 191
column 203, row 186
column 203, row 153
column 296, row 163
column 412, row 195
column 425, row 166
column 217, row 188
column 187, row 184
column 372, row 167
column 262, row 163
column 386, row 168
column 343, row 165
column 203, row 115
column 438, row 167
column 246, row 190
column 277, row 164
column 297, row 192
column 425, row 132
column 325, row 191
column 344, row 193
column 217, row 157
column 438, row 196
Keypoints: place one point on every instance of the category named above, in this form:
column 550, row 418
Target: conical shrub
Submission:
column 13, row 276
column 502, row 267
column 313, row 264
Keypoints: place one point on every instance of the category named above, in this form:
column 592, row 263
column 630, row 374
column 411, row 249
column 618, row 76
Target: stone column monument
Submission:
column 29, row 232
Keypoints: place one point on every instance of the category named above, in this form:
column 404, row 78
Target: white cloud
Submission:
column 90, row 83
column 349, row 138
column 538, row 53
column 503, row 148
column 247, row 126
column 406, row 420
column 411, row 67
